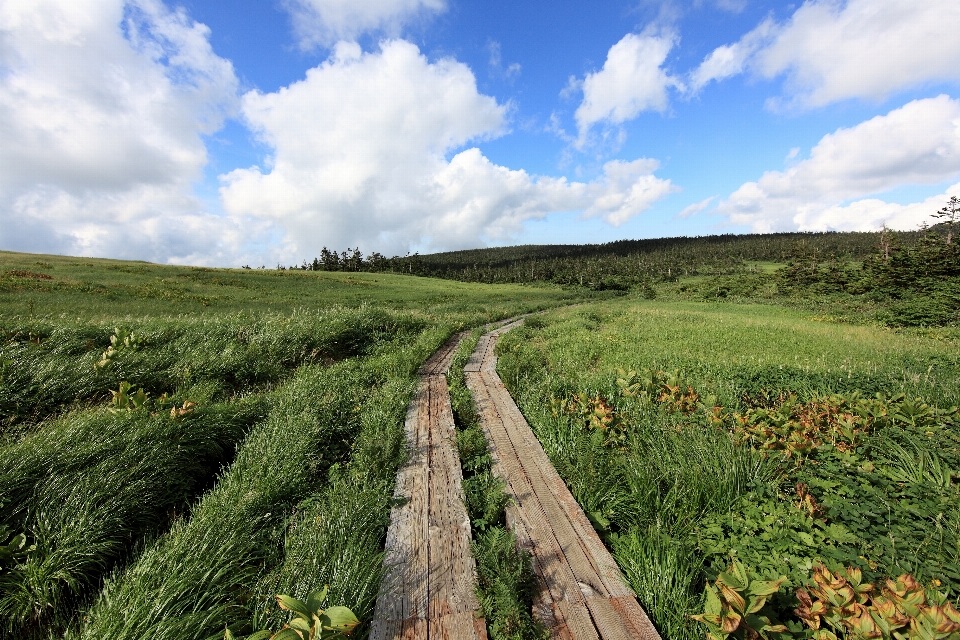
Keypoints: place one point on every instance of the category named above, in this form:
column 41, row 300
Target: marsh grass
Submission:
column 652, row 497
column 335, row 537
column 201, row 575
column 90, row 487
column 51, row 365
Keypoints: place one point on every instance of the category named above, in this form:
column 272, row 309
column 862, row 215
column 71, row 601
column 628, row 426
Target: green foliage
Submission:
column 831, row 605
column 870, row 482
column 311, row 621
column 506, row 586
column 736, row 605
column 205, row 569
column 89, row 488
column 665, row 574
column 613, row 267
column 13, row 548
column 485, row 500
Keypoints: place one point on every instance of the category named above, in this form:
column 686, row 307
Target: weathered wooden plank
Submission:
column 583, row 594
column 458, row 626
column 430, row 574
column 534, row 463
column 556, row 571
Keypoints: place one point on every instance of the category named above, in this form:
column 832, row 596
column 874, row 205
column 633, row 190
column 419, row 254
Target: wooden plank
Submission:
column 458, row 626
column 583, row 594
column 556, row 571
column 534, row 460
column 430, row 574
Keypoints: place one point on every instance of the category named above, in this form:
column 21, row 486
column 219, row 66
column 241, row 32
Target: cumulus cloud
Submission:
column 631, row 81
column 103, row 105
column 918, row 143
column 361, row 154
column 871, row 214
column 831, row 50
column 325, row 22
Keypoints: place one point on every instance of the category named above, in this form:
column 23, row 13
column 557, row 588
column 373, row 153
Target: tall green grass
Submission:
column 651, row 497
column 202, row 574
column 93, row 485
column 335, row 536
column 51, row 364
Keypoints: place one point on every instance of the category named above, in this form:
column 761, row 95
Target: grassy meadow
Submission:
column 696, row 433
column 180, row 444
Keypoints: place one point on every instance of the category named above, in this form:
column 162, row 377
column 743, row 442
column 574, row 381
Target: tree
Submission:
column 951, row 215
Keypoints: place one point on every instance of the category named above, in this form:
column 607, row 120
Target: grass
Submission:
column 88, row 487
column 202, row 574
column 61, row 288
column 281, row 478
column 674, row 495
column 52, row 364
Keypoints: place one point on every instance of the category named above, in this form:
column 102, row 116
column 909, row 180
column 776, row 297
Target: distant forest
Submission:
column 617, row 265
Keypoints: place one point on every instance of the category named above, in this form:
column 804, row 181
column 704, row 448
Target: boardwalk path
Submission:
column 428, row 592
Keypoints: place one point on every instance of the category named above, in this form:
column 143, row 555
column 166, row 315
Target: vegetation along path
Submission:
column 583, row 594
column 429, row 584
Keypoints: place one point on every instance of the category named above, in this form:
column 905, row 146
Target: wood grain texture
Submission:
column 582, row 594
column 428, row 589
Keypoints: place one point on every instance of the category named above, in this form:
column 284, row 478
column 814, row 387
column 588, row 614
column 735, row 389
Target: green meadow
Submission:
column 180, row 444
column 699, row 434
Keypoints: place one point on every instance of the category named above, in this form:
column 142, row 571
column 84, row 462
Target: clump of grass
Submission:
column 199, row 576
column 91, row 486
column 666, row 575
column 336, row 536
column 506, row 587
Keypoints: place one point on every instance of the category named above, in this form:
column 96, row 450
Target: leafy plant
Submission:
column 594, row 413
column 661, row 388
column 485, row 500
column 506, row 585
column 310, row 620
column 13, row 548
column 736, row 604
column 901, row 609
column 121, row 340
column 128, row 398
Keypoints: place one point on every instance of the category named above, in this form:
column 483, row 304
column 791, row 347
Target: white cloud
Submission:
column 496, row 63
column 103, row 105
column 350, row 167
column 695, row 208
column 831, row 50
column 729, row 60
column 631, row 81
column 918, row 143
column 871, row 214
column 627, row 190
column 325, row 22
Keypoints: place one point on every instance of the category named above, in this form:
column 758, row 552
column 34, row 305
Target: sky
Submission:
column 230, row 132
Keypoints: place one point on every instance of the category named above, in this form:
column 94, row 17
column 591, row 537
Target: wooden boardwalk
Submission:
column 428, row 587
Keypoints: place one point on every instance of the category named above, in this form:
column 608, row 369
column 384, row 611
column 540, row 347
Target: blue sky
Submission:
column 225, row 133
